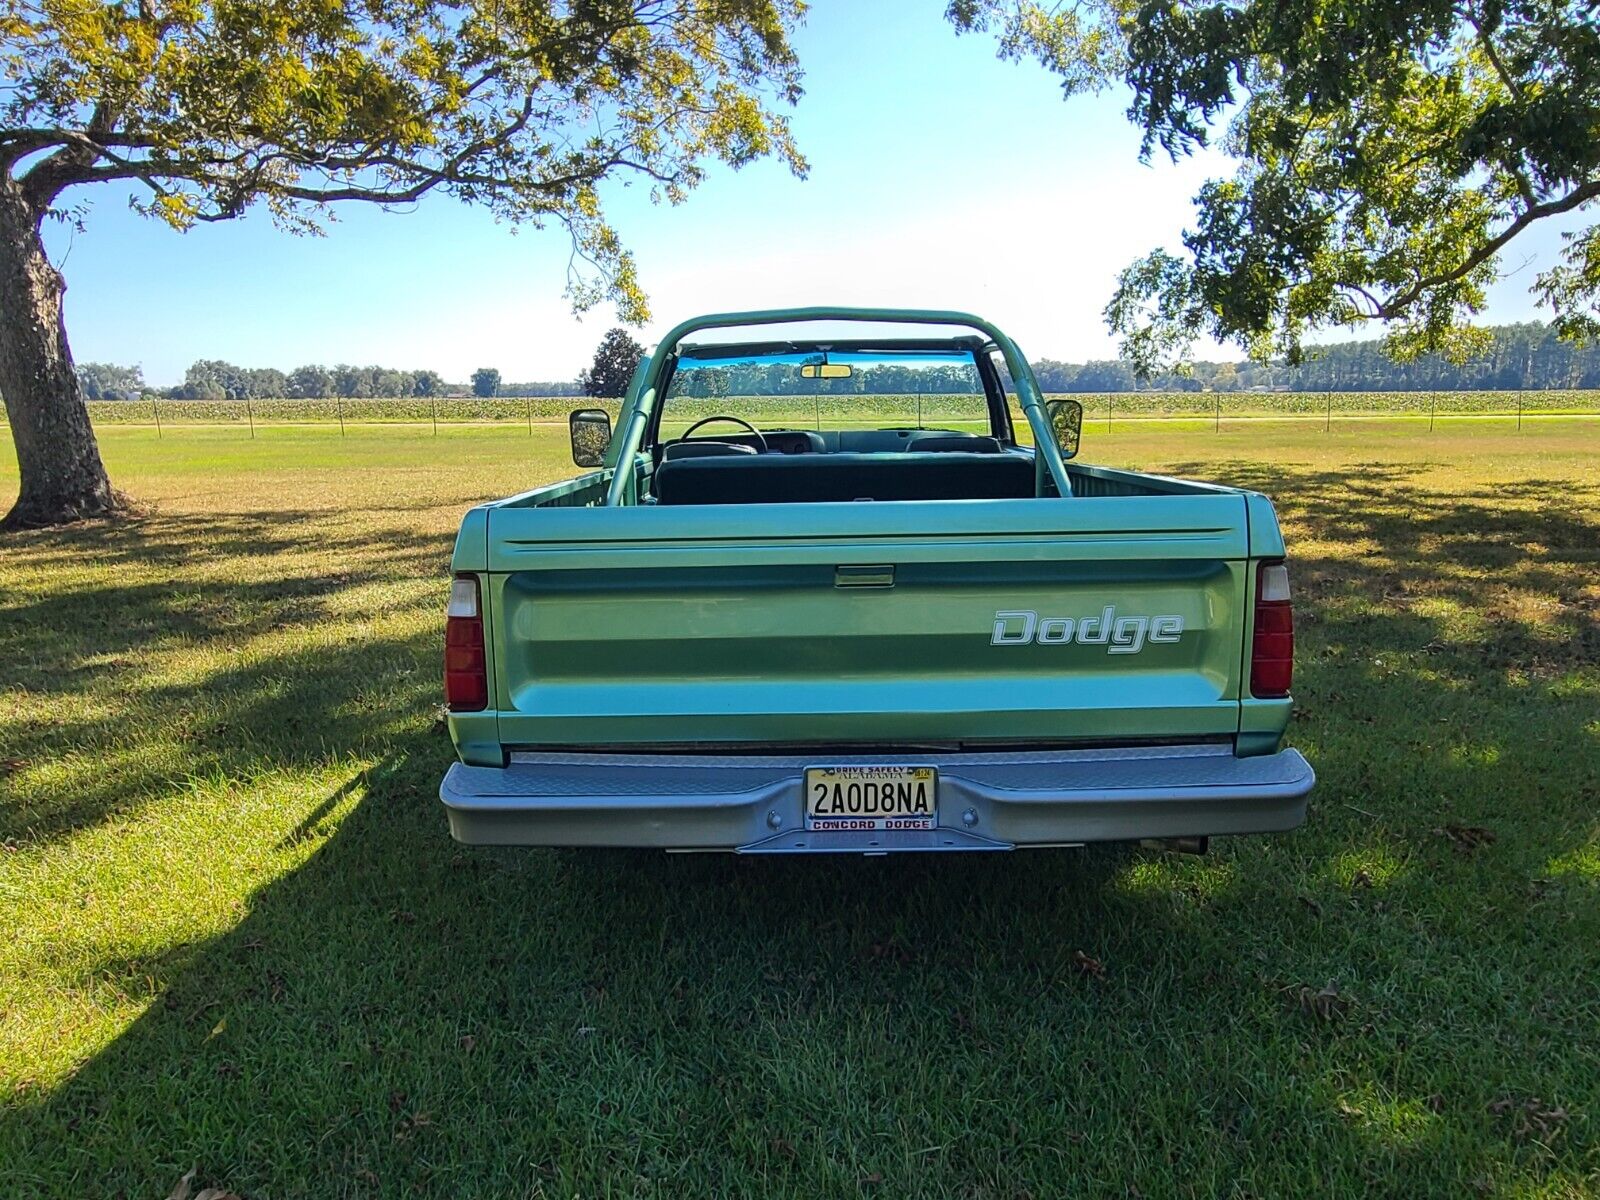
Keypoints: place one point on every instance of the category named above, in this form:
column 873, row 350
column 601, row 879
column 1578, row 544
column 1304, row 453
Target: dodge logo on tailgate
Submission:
column 1119, row 635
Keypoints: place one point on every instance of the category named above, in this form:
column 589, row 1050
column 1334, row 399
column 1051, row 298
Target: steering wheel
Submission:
column 684, row 436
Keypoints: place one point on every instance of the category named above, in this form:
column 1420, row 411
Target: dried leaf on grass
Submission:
column 184, row 1190
column 1466, row 838
column 1326, row 1004
column 1088, row 964
column 1531, row 1117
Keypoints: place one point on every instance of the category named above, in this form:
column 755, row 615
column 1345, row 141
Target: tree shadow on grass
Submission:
column 191, row 644
column 403, row 1016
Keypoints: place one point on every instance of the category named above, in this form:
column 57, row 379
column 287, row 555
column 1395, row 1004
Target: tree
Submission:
column 1388, row 151
column 107, row 381
column 214, row 379
column 485, row 381
column 1225, row 378
column 615, row 360
column 310, row 382
column 265, row 383
column 209, row 108
column 427, row 383
column 353, row 383
column 388, row 382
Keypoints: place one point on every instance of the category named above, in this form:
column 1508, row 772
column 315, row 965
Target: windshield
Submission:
column 832, row 390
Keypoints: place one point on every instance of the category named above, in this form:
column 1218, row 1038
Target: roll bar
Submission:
column 645, row 389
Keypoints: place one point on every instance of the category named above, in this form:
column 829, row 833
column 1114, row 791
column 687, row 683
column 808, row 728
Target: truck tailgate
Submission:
column 1038, row 620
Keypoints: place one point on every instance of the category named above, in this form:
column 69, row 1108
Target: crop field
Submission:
column 235, row 937
column 835, row 410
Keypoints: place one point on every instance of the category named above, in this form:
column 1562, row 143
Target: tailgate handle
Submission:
column 853, row 576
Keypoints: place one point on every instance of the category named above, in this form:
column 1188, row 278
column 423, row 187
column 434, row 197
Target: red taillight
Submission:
column 1272, row 652
column 466, row 682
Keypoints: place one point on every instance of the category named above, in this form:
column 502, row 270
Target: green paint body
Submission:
column 615, row 623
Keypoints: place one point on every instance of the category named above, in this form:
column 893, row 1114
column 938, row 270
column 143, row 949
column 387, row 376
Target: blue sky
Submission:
column 940, row 177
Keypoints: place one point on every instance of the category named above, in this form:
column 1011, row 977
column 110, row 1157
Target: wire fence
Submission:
column 1101, row 410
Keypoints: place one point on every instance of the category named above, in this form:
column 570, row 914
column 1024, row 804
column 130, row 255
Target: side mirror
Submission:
column 1066, row 424
column 590, row 429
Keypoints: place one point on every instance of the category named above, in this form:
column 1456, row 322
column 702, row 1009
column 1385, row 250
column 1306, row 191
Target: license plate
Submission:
column 868, row 798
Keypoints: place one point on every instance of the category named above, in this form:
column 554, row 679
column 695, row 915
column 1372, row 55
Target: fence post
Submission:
column 1519, row 408
column 1327, row 426
column 527, row 405
column 1218, row 427
column 156, row 413
column 1108, row 411
column 433, row 405
column 1433, row 404
column 339, row 405
column 249, row 415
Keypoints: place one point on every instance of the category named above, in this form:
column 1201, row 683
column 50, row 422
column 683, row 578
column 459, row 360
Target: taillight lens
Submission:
column 466, row 681
column 1272, row 653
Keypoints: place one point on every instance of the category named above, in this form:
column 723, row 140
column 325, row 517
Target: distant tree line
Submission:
column 1526, row 356
column 559, row 387
column 214, row 379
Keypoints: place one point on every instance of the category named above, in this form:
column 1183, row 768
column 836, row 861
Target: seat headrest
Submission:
column 698, row 448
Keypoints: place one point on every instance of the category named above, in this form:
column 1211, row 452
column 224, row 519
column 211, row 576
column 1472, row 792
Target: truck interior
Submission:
column 889, row 419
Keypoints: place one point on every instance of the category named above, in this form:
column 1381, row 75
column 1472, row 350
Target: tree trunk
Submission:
column 63, row 478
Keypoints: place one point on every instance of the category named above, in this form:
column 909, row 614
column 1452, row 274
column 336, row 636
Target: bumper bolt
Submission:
column 969, row 818
column 774, row 821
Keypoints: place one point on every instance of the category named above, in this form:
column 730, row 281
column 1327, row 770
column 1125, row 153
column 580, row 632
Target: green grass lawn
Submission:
column 234, row 933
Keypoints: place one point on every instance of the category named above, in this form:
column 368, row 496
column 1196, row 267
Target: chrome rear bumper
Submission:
column 755, row 805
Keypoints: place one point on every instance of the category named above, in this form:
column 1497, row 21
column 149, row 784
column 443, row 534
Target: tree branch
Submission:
column 1396, row 305
column 419, row 189
column 1517, row 169
column 1493, row 56
column 1377, row 305
column 17, row 144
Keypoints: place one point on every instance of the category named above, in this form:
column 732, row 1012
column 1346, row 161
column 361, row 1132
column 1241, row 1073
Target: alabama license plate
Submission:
column 868, row 798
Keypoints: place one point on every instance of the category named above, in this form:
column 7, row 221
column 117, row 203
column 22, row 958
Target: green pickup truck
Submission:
column 816, row 594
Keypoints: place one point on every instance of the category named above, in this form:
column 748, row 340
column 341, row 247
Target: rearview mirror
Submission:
column 590, row 429
column 1066, row 424
column 827, row 371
